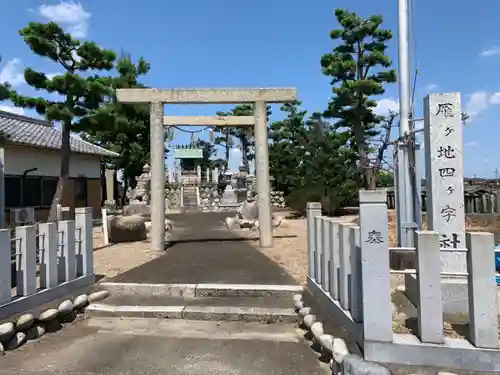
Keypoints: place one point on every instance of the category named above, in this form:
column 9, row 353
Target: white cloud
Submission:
column 478, row 102
column 69, row 14
column 430, row 87
column 488, row 52
column 52, row 75
column 495, row 98
column 13, row 73
column 236, row 150
column 10, row 109
column 384, row 106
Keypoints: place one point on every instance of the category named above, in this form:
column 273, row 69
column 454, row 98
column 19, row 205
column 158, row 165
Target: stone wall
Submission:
column 173, row 195
column 277, row 197
column 209, row 197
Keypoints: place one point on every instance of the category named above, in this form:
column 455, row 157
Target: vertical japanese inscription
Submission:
column 444, row 175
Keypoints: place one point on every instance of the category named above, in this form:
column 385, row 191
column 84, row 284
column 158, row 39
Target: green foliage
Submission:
column 80, row 91
column 225, row 138
column 310, row 161
column 4, row 88
column 244, row 134
column 358, row 67
column 385, row 179
column 124, row 128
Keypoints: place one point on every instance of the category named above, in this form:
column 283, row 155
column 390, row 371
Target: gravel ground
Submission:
column 115, row 259
column 290, row 246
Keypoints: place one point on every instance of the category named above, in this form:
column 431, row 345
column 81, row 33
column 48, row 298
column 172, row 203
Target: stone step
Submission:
column 265, row 309
column 200, row 290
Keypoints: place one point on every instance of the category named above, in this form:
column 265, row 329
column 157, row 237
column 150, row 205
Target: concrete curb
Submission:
column 213, row 313
column 334, row 349
column 200, row 290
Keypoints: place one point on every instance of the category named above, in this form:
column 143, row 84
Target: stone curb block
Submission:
column 332, row 348
column 213, row 313
column 27, row 327
column 200, row 290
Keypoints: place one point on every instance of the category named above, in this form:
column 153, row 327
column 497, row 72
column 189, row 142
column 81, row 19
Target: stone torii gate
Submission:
column 157, row 98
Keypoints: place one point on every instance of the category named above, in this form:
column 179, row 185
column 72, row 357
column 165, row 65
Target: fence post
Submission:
column 377, row 307
column 48, row 256
column 326, row 228
column 313, row 209
column 5, row 266
column 356, row 287
column 318, row 249
column 105, row 231
column 85, row 259
column 68, row 258
column 334, row 259
column 215, row 175
column 2, row 190
column 344, row 265
column 482, row 290
column 26, row 282
column 430, row 305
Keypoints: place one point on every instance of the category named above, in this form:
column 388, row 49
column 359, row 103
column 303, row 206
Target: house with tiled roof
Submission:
column 31, row 160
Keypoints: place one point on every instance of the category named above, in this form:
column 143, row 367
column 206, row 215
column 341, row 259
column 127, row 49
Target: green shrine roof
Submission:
column 188, row 152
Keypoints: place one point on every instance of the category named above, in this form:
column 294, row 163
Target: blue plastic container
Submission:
column 497, row 262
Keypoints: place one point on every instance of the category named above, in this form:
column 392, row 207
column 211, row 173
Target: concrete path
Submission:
column 106, row 346
column 204, row 251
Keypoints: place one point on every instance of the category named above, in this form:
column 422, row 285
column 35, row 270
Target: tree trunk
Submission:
column 244, row 151
column 370, row 178
column 228, row 149
column 124, row 192
column 63, row 173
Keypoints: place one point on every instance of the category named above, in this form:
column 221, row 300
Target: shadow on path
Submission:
column 204, row 251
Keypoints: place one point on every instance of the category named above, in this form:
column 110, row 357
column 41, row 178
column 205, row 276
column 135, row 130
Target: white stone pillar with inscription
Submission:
column 444, row 167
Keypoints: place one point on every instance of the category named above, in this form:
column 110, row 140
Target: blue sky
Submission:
column 220, row 43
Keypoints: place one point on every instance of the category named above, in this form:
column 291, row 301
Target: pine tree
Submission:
column 310, row 161
column 81, row 91
column 123, row 127
column 359, row 68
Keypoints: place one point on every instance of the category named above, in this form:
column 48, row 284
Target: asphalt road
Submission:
column 102, row 346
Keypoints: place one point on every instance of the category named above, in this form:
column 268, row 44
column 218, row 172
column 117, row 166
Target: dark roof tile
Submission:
column 40, row 133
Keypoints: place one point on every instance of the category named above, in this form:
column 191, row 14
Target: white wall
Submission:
column 18, row 159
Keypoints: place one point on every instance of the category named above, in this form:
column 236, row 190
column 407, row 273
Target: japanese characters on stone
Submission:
column 375, row 237
column 446, row 152
column 445, row 160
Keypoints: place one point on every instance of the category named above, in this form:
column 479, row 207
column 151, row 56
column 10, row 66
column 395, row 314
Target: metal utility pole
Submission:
column 404, row 188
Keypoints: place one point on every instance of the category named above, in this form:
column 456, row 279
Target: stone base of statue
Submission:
column 141, row 209
column 229, row 200
column 237, row 223
column 247, row 217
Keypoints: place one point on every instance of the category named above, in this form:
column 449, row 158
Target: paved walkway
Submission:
column 104, row 346
column 204, row 251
